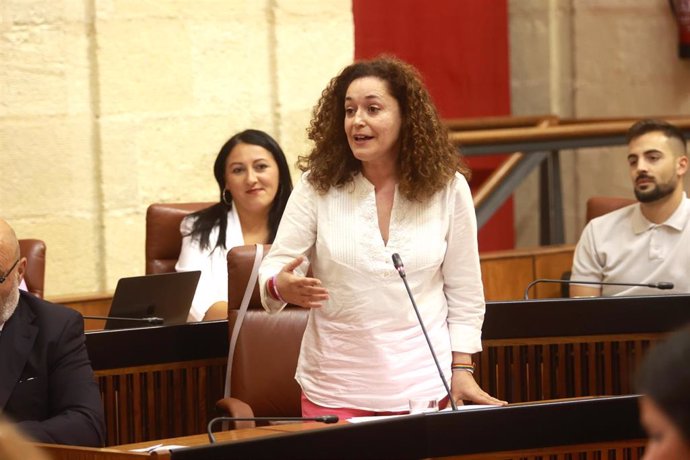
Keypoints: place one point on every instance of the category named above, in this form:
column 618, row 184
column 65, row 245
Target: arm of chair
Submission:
column 233, row 407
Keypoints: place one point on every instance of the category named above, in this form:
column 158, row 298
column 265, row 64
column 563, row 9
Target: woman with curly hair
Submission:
column 382, row 178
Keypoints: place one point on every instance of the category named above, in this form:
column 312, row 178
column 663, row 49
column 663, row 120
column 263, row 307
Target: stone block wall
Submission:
column 589, row 58
column 107, row 106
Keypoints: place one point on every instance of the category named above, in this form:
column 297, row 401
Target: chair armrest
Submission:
column 233, row 407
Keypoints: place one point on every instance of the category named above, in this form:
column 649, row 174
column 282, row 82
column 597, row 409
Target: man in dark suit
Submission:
column 47, row 384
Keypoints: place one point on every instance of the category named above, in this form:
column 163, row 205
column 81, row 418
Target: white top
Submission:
column 364, row 347
column 623, row 246
column 213, row 283
column 22, row 286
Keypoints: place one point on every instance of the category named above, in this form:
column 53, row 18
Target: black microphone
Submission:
column 397, row 262
column 659, row 285
column 149, row 320
column 322, row 418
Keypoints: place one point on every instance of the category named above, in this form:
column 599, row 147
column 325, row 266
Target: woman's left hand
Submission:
column 464, row 387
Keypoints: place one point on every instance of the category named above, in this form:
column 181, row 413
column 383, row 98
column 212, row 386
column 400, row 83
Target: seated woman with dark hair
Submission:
column 664, row 381
column 255, row 184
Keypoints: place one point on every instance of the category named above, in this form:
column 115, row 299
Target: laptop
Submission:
column 167, row 296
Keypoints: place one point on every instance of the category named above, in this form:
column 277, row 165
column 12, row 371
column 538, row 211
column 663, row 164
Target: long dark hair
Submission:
column 217, row 214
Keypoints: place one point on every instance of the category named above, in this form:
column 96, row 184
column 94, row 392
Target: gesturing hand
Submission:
column 300, row 290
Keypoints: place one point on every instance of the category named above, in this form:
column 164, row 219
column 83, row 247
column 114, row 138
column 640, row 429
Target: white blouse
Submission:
column 364, row 347
column 213, row 283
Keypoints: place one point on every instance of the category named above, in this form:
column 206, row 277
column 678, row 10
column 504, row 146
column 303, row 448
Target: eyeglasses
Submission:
column 4, row 277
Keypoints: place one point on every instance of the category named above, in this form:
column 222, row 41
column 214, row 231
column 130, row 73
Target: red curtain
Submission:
column 461, row 49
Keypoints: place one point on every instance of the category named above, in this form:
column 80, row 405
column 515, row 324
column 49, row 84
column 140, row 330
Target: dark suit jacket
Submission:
column 46, row 380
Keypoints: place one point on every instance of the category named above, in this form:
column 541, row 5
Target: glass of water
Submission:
column 420, row 405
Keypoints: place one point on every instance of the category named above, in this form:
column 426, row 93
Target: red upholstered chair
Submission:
column 163, row 239
column 34, row 276
column 600, row 205
column 263, row 369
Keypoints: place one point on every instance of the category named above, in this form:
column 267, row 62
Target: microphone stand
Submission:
column 397, row 261
column 150, row 320
column 659, row 285
column 322, row 418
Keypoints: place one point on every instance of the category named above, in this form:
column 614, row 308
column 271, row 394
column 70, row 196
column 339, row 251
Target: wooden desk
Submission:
column 506, row 274
column 57, row 452
column 561, row 348
column 161, row 382
column 158, row 382
column 593, row 427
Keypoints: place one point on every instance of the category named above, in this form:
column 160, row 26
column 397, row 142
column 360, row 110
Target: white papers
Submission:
column 447, row 409
column 158, row 448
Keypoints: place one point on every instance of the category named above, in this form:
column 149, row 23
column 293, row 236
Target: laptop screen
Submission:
column 164, row 295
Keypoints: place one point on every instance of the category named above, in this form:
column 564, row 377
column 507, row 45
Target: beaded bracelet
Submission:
column 462, row 367
column 273, row 288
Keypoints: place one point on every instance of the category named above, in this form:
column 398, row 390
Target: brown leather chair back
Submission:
column 263, row 372
column 600, row 205
column 163, row 239
column 35, row 253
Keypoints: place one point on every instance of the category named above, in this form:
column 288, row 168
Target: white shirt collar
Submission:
column 677, row 221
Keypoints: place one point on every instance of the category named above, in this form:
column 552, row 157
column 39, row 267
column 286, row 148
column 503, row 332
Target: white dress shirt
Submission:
column 213, row 283
column 364, row 347
column 623, row 246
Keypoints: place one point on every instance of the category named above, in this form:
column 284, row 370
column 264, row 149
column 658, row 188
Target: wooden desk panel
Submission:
column 96, row 304
column 505, row 279
column 163, row 381
column 57, row 452
column 552, row 264
column 506, row 274
column 560, row 367
column 566, row 428
column 159, row 382
column 160, row 401
column 561, row 348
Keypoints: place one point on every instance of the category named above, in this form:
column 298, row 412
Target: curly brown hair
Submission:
column 427, row 160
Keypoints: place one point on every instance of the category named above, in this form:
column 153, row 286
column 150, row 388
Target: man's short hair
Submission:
column 651, row 125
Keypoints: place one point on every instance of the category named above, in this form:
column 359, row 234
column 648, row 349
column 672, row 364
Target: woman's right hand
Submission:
column 300, row 290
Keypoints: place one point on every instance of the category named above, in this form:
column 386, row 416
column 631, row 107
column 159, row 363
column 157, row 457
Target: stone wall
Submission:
column 107, row 106
column 588, row 58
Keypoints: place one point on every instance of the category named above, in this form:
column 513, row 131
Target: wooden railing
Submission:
column 536, row 142
column 501, row 135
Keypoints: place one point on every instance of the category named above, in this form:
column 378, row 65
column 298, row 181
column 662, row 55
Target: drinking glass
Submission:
column 420, row 405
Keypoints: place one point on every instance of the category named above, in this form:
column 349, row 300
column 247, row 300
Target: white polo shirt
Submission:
column 623, row 246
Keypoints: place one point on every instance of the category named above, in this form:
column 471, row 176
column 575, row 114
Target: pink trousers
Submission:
column 309, row 409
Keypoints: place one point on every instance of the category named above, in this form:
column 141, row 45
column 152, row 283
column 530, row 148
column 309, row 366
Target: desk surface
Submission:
column 605, row 421
column 232, row 435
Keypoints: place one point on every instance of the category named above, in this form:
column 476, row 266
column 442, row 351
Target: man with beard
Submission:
column 649, row 241
column 47, row 384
